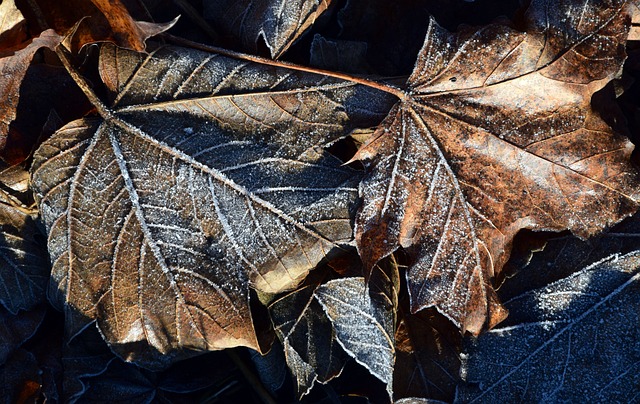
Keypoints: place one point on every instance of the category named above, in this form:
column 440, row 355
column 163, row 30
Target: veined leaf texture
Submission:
column 206, row 176
column 201, row 199
column 496, row 134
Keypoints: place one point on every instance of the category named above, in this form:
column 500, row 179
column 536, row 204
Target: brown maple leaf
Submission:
column 13, row 67
column 95, row 21
column 495, row 133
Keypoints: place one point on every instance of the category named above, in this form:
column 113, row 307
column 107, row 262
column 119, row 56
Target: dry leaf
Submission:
column 575, row 338
column 279, row 23
column 13, row 67
column 12, row 26
column 99, row 21
column 311, row 349
column 20, row 378
column 427, row 363
column 195, row 184
column 24, row 266
column 15, row 329
column 364, row 319
column 496, row 134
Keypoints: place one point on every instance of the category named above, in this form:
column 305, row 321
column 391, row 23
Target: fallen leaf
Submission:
column 496, row 134
column 99, row 21
column 24, row 266
column 278, row 23
column 364, row 319
column 575, row 338
column 48, row 99
column 13, row 68
column 427, row 363
column 271, row 367
column 20, row 378
column 92, row 373
column 563, row 255
column 634, row 33
column 343, row 56
column 12, row 26
column 16, row 177
column 309, row 341
column 15, row 329
column 194, row 185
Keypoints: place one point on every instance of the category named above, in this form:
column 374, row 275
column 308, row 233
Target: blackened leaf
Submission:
column 344, row 56
column 279, row 23
column 205, row 176
column 13, row 67
column 364, row 320
column 15, row 329
column 94, row 374
column 496, row 134
column 427, row 363
column 20, row 378
column 576, row 338
column 271, row 368
column 311, row 349
column 563, row 255
column 24, row 263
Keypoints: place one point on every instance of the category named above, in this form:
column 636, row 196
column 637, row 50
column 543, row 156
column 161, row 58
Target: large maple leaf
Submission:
column 496, row 133
column 195, row 184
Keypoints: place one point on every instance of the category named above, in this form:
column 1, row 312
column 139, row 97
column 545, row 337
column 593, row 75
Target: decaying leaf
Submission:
column 309, row 341
column 205, row 176
column 427, row 363
column 24, row 266
column 94, row 374
column 576, row 338
column 364, row 319
column 279, row 23
column 13, row 67
column 12, row 25
column 20, row 378
column 496, row 134
column 563, row 255
column 99, row 21
column 15, row 329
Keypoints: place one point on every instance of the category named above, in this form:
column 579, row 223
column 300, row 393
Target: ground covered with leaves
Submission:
column 319, row 201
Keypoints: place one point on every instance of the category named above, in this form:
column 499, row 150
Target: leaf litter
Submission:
column 245, row 139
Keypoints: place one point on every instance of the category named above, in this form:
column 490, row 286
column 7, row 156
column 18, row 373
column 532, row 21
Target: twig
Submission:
column 65, row 58
column 257, row 59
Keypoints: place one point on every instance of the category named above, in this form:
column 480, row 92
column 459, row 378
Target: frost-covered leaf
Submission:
column 563, row 255
column 344, row 56
column 24, row 263
column 576, row 338
column 205, row 176
column 496, row 134
column 309, row 341
column 279, row 23
column 364, row 319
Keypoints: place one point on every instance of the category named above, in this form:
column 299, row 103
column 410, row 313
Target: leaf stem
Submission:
column 65, row 58
column 399, row 93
